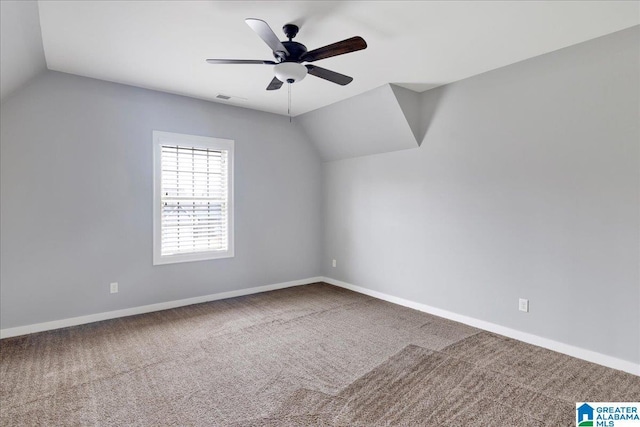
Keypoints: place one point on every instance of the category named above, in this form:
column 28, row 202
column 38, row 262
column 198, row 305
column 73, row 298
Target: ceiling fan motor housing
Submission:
column 296, row 50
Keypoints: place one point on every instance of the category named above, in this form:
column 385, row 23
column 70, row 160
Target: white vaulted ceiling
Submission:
column 163, row 45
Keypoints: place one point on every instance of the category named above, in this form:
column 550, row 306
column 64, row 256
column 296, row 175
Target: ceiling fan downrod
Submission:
column 290, row 30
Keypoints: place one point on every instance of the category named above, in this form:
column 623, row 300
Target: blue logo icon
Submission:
column 585, row 415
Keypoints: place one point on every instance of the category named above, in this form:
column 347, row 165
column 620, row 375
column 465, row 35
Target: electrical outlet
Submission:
column 333, row 264
column 524, row 305
column 114, row 287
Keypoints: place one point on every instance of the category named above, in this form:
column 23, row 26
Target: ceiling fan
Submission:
column 289, row 56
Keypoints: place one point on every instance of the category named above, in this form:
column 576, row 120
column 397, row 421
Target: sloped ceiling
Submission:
column 162, row 45
column 370, row 123
column 21, row 52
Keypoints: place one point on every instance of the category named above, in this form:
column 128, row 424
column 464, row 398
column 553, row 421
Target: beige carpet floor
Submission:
column 310, row 355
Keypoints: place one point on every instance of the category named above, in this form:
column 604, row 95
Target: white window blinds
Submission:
column 194, row 200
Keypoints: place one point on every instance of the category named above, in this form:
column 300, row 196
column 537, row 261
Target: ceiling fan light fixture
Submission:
column 290, row 72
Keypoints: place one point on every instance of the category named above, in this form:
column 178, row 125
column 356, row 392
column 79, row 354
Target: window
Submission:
column 192, row 198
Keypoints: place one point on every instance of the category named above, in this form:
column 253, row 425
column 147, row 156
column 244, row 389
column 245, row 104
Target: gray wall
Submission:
column 526, row 185
column 76, row 199
column 21, row 51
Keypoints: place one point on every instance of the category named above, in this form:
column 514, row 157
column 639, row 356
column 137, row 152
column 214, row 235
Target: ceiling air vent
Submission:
column 224, row 97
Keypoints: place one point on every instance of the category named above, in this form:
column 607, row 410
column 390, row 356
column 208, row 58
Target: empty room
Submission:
column 320, row 213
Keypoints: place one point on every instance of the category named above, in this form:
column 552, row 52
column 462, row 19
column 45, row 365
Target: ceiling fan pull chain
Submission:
column 289, row 108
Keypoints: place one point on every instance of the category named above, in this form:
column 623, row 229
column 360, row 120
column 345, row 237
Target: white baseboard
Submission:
column 580, row 353
column 73, row 321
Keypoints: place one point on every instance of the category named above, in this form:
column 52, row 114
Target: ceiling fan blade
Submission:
column 275, row 84
column 332, row 76
column 266, row 33
column 339, row 48
column 240, row 61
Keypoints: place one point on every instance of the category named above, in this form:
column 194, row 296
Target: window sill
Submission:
column 201, row 256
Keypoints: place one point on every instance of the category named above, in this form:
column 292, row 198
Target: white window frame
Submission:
column 163, row 138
